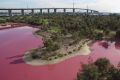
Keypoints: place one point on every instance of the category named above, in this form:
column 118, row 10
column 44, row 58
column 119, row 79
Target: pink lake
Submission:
column 15, row 42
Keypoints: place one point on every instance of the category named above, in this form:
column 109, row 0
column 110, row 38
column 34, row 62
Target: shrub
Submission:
column 70, row 52
column 102, row 63
column 117, row 35
column 74, row 50
column 99, row 36
column 34, row 56
column 49, row 59
column 65, row 54
column 55, row 57
column 60, row 55
column 2, row 20
column 90, row 72
column 51, row 46
column 99, row 70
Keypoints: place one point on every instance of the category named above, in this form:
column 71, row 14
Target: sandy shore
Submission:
column 85, row 50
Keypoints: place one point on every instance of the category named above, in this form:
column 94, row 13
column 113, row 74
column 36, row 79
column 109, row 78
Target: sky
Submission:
column 100, row 5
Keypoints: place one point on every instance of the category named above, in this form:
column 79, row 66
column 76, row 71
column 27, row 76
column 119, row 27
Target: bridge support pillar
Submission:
column 48, row 11
column 87, row 11
column 40, row 11
column 73, row 10
column 10, row 12
column 64, row 10
column 32, row 11
column 55, row 10
column 91, row 12
column 22, row 12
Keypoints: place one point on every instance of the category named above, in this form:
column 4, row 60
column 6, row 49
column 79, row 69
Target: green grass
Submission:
column 2, row 20
column 98, row 31
column 113, row 33
column 54, row 30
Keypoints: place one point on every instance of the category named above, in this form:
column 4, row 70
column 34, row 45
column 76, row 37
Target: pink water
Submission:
column 14, row 42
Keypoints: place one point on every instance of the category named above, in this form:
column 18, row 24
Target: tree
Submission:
column 2, row 20
column 101, row 69
column 99, row 36
column 117, row 35
column 89, row 72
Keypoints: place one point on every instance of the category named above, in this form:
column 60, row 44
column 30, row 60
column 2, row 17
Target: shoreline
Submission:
column 14, row 25
column 85, row 50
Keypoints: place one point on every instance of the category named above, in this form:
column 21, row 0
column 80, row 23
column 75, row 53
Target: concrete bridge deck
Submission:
column 10, row 11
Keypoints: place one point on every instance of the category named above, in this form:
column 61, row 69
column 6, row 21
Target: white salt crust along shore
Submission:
column 85, row 50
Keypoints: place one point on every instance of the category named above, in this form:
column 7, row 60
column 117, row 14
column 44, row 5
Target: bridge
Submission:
column 32, row 11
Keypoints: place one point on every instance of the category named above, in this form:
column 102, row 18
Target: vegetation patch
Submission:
column 101, row 69
column 54, row 30
column 64, row 34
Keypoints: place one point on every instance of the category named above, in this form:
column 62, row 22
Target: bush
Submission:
column 60, row 55
column 117, row 35
column 102, row 64
column 99, row 36
column 99, row 70
column 55, row 57
column 51, row 46
column 70, row 52
column 65, row 54
column 74, row 50
column 2, row 20
column 49, row 59
column 90, row 72
column 34, row 56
